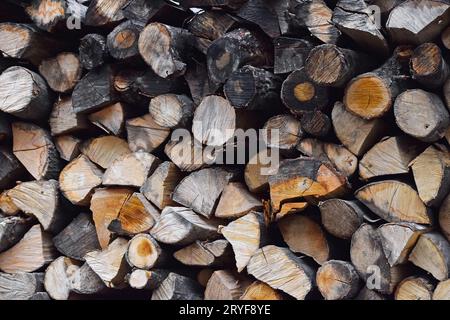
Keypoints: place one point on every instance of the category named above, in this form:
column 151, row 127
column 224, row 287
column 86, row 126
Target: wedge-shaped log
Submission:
column 20, row 286
column 144, row 134
column 414, row 288
column 225, row 285
column 216, row 253
column 12, row 230
column 61, row 72
column 104, row 150
column 236, row 201
column 178, row 287
column 63, row 119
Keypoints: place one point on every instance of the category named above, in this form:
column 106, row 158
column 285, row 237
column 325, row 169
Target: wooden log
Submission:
column 78, row 238
column 10, row 170
column 104, row 12
column 110, row 264
column 24, row 94
column 122, row 42
column 210, row 24
column 159, row 186
column 198, row 82
column 300, row 94
column 316, row 123
column 86, row 281
column 342, row 159
column 281, row 269
column 93, row 50
column 216, row 253
column 47, row 14
column 225, row 285
column 257, row 171
column 110, row 119
column 253, row 88
column 68, row 147
column 398, row 239
column 147, row 279
column 290, row 54
column 263, row 14
column 178, row 287
column 61, row 72
column 236, row 201
column 337, row 280
column 303, row 235
column 63, row 119
column 392, row 155
column 367, row 294
column 42, row 200
column 442, row 291
column 182, row 226
column 261, row 292
column 188, row 154
column 104, row 150
column 20, row 286
column 87, row 97
column 144, row 134
column 246, row 235
column 431, row 18
column 232, row 51
column 7, row 206
column 394, row 201
column 371, row 95
column 172, row 111
column 305, row 177
column 426, row 119
column 31, row 253
column 225, row 4
column 57, row 278
column 144, row 252
column 432, row 254
column 444, row 217
column 414, row 288
column 445, row 38
column 201, row 190
column 356, row 134
column 428, row 66
column 12, row 230
column 283, row 133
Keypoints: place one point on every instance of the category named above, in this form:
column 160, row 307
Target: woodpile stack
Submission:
column 125, row 169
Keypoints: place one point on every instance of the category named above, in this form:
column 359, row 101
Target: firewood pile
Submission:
column 232, row 149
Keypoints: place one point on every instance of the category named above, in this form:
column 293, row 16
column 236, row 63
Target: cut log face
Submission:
column 205, row 254
column 182, row 226
column 284, row 132
column 337, row 280
column 78, row 238
column 281, row 269
column 32, row 143
column 47, row 14
column 257, row 171
column 444, row 217
column 263, row 14
column 144, row 252
column 10, row 170
column 428, row 66
column 394, row 201
column 86, row 281
column 12, row 230
column 171, row 110
column 93, row 50
column 104, row 12
column 34, row 251
column 110, row 119
column 290, row 54
column 130, row 169
column 144, row 134
column 201, row 190
column 68, row 147
column 7, row 206
column 431, row 171
column 104, row 150
column 57, row 278
column 63, row 119
column 414, row 288
column 110, row 264
column 61, row 72
column 79, row 179
column 390, row 156
column 303, row 235
column 20, row 286
column 422, row 115
column 442, row 291
column 356, row 134
column 236, row 201
column 210, row 24
column 261, row 292
column 431, row 16
column 147, row 280
column 246, row 235
column 316, row 123
column 178, row 287
column 122, row 42
column 432, row 254
column 224, row 285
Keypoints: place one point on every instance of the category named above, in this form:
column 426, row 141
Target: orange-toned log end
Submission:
column 337, row 280
column 304, row 91
column 124, row 39
column 368, row 97
column 426, row 60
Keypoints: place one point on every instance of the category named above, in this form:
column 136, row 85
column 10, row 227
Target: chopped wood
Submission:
column 86, row 281
column 316, row 123
column 20, row 286
column 144, row 134
column 428, row 66
column 104, row 12
column 172, row 111
column 368, row 294
column 11, row 168
column 104, row 150
column 283, row 132
column 414, row 288
column 63, row 120
column 210, row 24
column 224, row 285
column 257, row 171
column 290, row 54
column 236, row 201
column 442, row 291
column 337, row 280
column 93, row 50
column 205, row 254
column 147, row 279
column 144, row 252
column 57, row 278
column 12, row 230
column 444, row 217
column 178, row 287
column 110, row 119
column 122, row 42
column 68, row 147
column 260, row 291
column 61, row 72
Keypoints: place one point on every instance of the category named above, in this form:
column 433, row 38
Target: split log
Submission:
column 394, row 201
column 444, row 217
column 236, row 201
column 253, row 88
column 78, row 238
column 57, row 278
column 329, row 65
column 110, row 119
column 171, row 110
column 158, row 188
column 110, row 264
column 210, row 24
column 63, row 119
column 356, row 134
column 122, row 42
column 12, row 230
column 86, row 281
column 430, row 17
column 42, row 200
column 246, row 235
column 337, row 280
column 342, row 159
column 7, row 206
column 263, row 14
column 261, row 292
column 130, row 169
column 390, row 156
column 104, row 12
column 225, row 285
column 442, row 291
column 258, row 169
column 300, row 94
column 281, row 269
column 24, row 94
column 201, row 190
column 303, row 235
column 93, row 50
column 47, row 14
column 10, row 170
column 144, row 252
column 290, row 54
column 20, row 286
column 178, row 287
column 206, row 254
column 414, row 288
column 147, row 280
column 31, row 253
column 288, row 209
column 371, row 95
column 182, row 226
column 61, row 72
column 431, row 171
column 316, row 123
column 68, row 147
column 104, row 150
column 432, row 254
column 283, row 133
column 232, row 51
column 421, row 114
column 144, row 134
column 428, row 66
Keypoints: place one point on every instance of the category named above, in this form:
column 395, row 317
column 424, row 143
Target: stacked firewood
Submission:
column 102, row 197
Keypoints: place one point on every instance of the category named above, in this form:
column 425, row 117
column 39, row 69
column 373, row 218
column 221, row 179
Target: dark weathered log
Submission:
column 104, row 12
column 428, row 66
column 263, row 14
column 414, row 288
column 47, row 14
column 337, row 280
column 444, row 217
column 290, row 54
column 445, row 37
column 225, row 285
column 93, row 50
column 10, row 170
column 110, row 119
column 63, row 119
column 12, row 230
column 316, row 123
column 61, row 72
column 122, row 42
column 227, row 4
column 178, row 287
column 236, row 201
column 284, row 132
column 20, row 286
column 216, row 253
column 261, row 292
column 5, row 127
column 104, row 150
column 145, row 253
column 172, row 111
column 210, row 24
column 144, row 134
